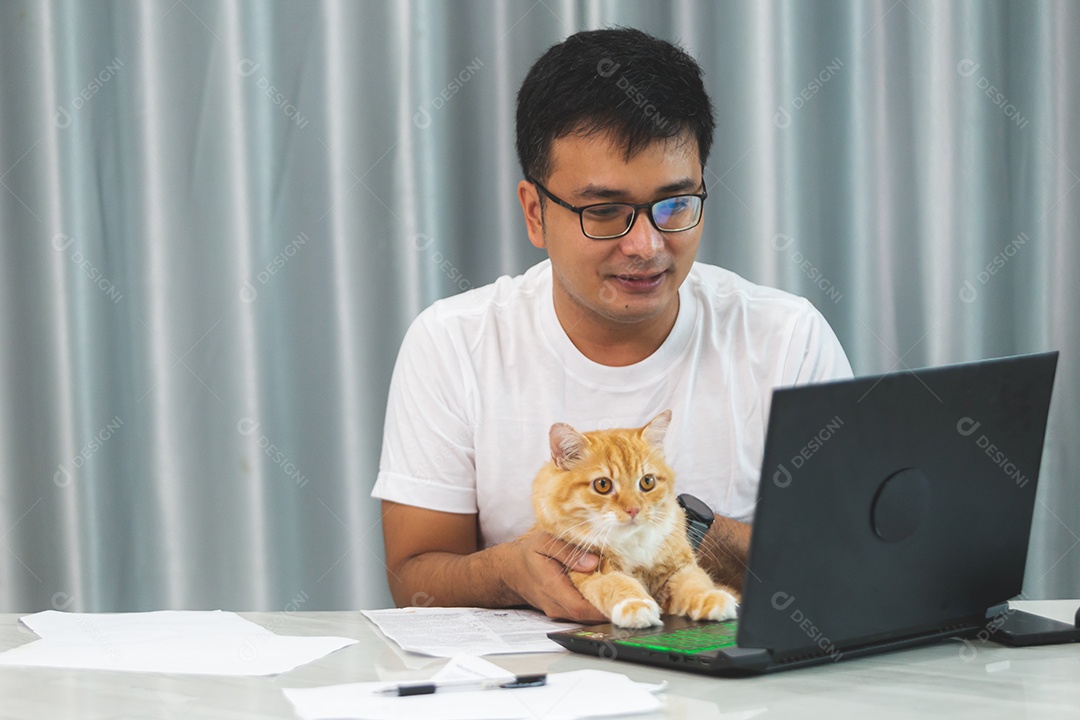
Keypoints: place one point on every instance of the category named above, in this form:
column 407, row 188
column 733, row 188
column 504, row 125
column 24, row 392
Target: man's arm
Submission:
column 432, row 558
column 724, row 550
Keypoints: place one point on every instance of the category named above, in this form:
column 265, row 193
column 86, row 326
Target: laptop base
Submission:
column 609, row 642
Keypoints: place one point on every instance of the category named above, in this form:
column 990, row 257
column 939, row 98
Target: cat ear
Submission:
column 567, row 445
column 657, row 428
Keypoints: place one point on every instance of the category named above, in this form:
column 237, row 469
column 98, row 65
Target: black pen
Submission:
column 429, row 688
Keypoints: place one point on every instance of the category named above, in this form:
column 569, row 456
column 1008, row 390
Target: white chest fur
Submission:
column 638, row 545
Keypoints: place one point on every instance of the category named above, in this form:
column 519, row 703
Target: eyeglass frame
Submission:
column 642, row 206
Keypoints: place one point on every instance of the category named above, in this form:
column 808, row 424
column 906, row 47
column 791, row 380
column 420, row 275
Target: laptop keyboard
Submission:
column 700, row 638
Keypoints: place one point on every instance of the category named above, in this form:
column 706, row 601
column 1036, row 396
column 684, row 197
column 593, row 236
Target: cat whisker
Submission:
column 581, row 538
column 583, row 545
column 596, row 545
column 567, row 534
column 601, row 538
column 604, row 542
column 592, row 540
column 709, row 553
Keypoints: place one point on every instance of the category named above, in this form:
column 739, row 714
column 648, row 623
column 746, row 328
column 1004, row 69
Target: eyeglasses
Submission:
column 606, row 221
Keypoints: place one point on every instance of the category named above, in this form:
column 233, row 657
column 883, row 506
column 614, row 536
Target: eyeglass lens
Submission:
column 612, row 219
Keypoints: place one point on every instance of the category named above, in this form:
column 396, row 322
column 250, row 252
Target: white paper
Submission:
column 578, row 694
column 469, row 667
column 185, row 642
column 446, row 632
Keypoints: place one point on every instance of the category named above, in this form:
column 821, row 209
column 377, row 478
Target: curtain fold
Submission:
column 219, row 218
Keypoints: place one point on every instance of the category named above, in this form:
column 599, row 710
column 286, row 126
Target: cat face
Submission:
column 608, row 486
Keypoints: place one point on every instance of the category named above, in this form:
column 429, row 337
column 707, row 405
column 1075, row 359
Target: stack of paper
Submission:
column 446, row 632
column 569, row 695
column 190, row 642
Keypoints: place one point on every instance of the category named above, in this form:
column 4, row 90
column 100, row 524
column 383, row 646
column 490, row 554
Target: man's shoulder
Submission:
column 789, row 337
column 504, row 299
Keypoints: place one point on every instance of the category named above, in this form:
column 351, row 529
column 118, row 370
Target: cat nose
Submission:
column 632, row 512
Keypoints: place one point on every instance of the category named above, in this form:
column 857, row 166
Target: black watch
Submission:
column 699, row 518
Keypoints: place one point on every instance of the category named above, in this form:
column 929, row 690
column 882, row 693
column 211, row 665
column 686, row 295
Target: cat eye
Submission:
column 602, row 485
column 648, row 482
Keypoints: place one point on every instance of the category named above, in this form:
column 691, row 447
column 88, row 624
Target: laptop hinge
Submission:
column 743, row 659
column 996, row 610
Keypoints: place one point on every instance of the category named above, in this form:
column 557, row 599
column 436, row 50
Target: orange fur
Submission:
column 646, row 563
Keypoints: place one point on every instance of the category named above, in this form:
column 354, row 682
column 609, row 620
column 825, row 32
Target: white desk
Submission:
column 936, row 681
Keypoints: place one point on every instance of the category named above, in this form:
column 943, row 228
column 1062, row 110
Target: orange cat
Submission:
column 611, row 493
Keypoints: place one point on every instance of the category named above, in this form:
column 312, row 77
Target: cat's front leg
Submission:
column 620, row 597
column 692, row 592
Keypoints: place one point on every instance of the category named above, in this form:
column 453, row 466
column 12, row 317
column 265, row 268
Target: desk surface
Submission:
column 947, row 679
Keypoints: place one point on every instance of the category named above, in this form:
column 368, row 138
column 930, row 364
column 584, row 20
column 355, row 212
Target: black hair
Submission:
column 621, row 81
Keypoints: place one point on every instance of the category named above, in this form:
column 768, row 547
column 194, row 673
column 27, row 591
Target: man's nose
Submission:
column 643, row 240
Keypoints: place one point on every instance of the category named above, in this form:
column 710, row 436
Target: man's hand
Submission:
column 540, row 577
column 434, row 555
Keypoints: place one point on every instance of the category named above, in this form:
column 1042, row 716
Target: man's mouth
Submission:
column 639, row 282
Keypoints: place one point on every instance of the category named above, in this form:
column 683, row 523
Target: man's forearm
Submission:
column 724, row 550
column 445, row 579
column 432, row 559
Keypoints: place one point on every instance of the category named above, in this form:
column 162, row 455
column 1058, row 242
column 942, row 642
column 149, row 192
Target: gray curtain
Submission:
column 218, row 219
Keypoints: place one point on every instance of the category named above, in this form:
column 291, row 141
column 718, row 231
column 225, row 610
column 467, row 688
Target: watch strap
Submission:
column 699, row 518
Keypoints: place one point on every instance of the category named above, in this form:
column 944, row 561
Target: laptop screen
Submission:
column 894, row 505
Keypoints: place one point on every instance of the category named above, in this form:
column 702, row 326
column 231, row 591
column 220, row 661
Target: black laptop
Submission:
column 893, row 510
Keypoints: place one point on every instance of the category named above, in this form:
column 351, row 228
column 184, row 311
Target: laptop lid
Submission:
column 892, row 510
column 894, row 505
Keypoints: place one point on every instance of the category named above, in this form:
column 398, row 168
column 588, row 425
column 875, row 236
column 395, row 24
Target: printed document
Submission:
column 446, row 632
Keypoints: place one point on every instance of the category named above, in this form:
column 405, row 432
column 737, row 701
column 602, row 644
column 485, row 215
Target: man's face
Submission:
column 624, row 281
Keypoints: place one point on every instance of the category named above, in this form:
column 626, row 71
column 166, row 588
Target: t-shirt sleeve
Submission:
column 815, row 353
column 427, row 454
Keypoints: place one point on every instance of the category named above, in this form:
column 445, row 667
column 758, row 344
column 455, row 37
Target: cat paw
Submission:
column 713, row 605
column 636, row 613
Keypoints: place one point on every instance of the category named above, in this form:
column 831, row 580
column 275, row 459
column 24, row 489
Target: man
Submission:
column 613, row 131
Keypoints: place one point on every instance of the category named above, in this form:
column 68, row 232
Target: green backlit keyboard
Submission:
column 700, row 638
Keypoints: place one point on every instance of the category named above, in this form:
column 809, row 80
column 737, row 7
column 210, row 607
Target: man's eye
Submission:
column 604, row 212
column 674, row 206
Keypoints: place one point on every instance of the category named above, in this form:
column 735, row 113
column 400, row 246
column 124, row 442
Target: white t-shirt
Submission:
column 483, row 375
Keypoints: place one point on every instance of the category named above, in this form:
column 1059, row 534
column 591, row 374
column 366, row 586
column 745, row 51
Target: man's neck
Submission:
column 614, row 345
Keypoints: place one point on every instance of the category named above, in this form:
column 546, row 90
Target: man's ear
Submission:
column 567, row 445
column 529, row 197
